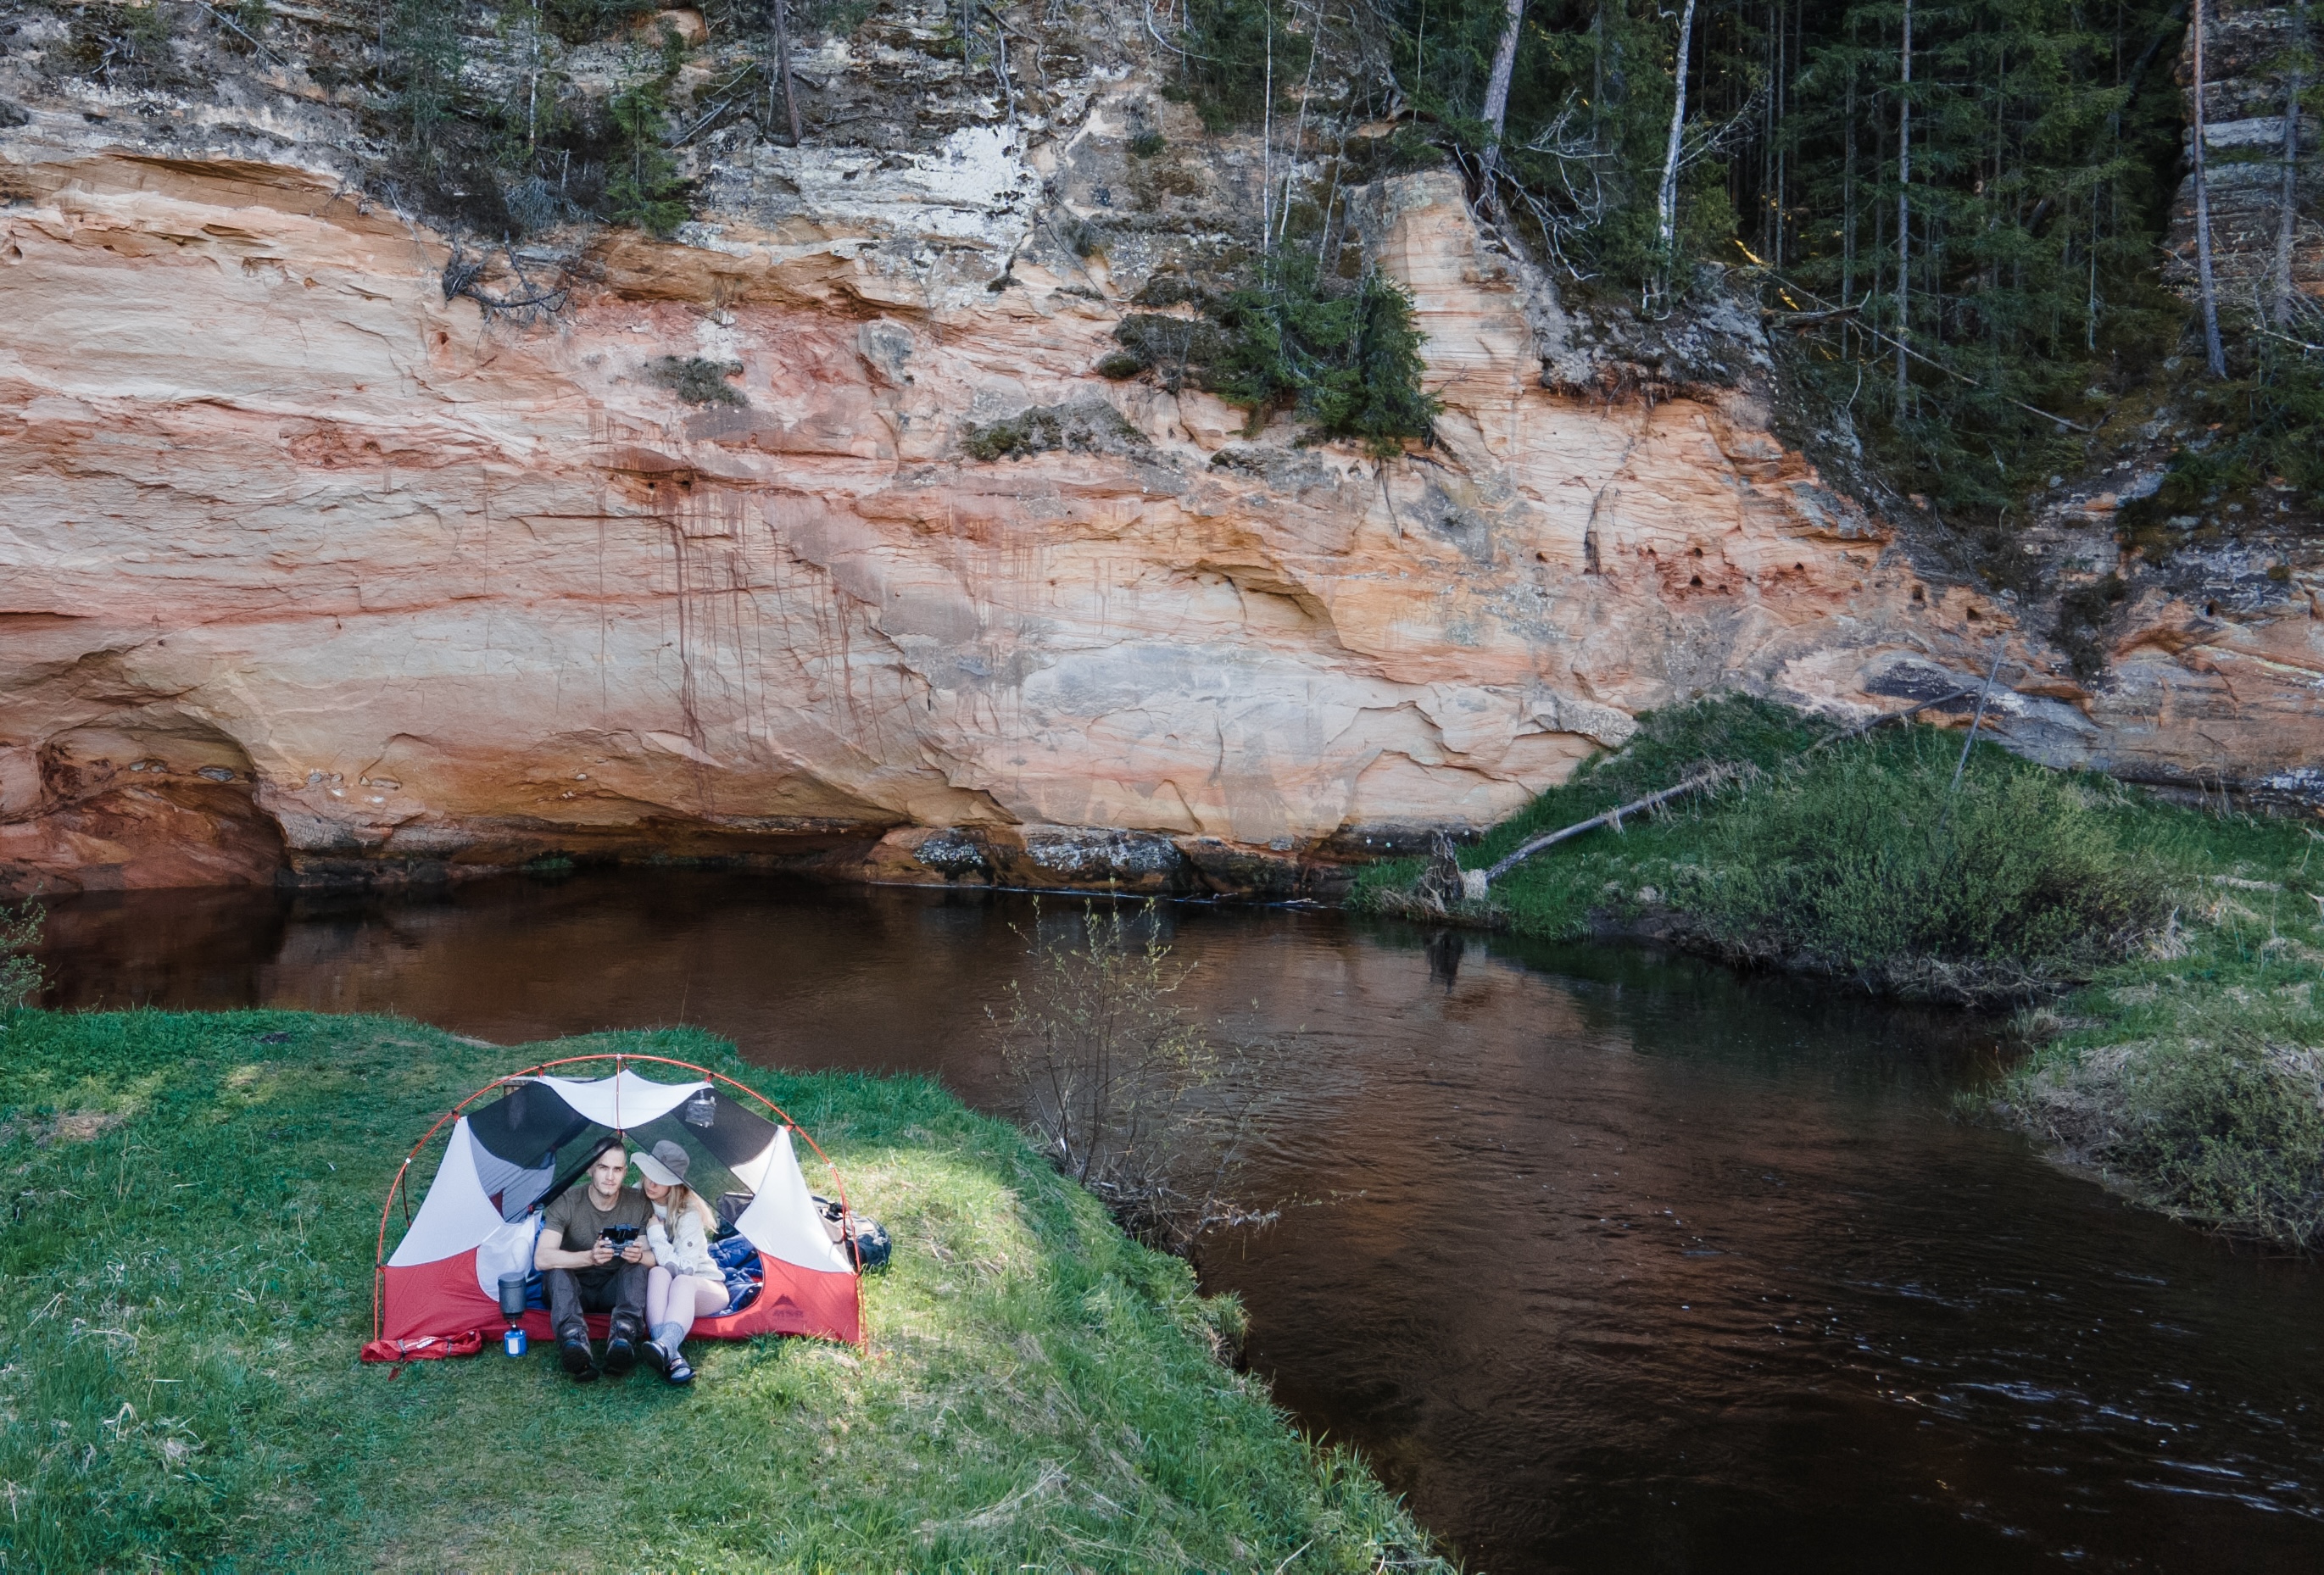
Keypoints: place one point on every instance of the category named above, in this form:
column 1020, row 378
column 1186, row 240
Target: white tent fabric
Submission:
column 517, row 1186
column 458, row 1213
column 782, row 1221
column 506, row 1251
column 753, row 1172
column 624, row 1100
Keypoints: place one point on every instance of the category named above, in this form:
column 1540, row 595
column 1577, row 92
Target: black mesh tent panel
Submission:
column 533, row 1131
column 725, row 1128
column 710, row 1174
column 527, row 1124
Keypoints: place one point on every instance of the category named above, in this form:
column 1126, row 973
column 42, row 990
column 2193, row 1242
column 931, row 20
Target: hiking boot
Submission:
column 621, row 1355
column 677, row 1371
column 575, row 1355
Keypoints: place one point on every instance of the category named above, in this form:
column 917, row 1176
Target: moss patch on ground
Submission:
column 2167, row 958
column 186, row 1273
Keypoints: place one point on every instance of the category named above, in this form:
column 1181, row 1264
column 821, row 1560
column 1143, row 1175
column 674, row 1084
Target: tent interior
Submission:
column 506, row 1160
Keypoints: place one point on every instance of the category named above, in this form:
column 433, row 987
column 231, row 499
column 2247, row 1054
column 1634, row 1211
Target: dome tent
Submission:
column 438, row 1292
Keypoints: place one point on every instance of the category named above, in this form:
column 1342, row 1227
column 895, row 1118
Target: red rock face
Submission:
column 307, row 566
column 162, row 834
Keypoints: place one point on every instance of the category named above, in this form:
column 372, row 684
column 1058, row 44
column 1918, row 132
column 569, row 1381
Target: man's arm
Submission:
column 549, row 1252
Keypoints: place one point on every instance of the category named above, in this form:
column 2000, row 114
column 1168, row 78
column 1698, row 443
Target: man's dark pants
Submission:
column 618, row 1288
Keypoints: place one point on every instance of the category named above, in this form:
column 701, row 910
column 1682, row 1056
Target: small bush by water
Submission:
column 1122, row 1089
column 1866, row 863
column 186, row 1273
column 20, row 972
column 2224, row 1130
column 2178, row 1045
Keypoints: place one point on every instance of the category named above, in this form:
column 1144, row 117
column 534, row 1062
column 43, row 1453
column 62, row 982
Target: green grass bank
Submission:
column 186, row 1272
column 2162, row 960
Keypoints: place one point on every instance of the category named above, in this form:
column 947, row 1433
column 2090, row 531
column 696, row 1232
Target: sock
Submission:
column 668, row 1336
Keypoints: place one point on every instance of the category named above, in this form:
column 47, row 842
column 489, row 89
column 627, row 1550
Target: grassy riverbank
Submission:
column 2165, row 959
column 185, row 1275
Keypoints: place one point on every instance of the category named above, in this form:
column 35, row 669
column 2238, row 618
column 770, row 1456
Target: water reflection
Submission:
column 1611, row 1262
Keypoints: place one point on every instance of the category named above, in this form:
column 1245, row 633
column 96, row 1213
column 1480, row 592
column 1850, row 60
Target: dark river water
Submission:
column 1607, row 1261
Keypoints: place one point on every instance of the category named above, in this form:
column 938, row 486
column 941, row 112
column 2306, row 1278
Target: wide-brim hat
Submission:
column 665, row 1166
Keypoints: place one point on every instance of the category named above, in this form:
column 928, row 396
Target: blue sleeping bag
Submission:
column 745, row 1278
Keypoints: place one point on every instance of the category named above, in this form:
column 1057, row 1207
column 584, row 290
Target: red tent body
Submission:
column 443, row 1298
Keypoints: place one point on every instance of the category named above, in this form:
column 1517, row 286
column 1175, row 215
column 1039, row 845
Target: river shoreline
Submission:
column 2187, row 1072
column 2136, row 1078
column 1092, row 859
column 2180, row 1058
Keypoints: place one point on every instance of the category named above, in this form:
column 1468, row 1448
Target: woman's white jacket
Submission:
column 689, row 1253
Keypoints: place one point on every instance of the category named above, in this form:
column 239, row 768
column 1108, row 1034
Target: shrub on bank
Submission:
column 2191, row 1077
column 1867, row 862
column 1861, row 860
column 2227, row 1132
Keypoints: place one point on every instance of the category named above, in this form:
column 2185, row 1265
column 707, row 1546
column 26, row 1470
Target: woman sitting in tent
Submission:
column 684, row 1284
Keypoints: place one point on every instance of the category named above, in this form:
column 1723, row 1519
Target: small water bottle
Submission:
column 513, row 1342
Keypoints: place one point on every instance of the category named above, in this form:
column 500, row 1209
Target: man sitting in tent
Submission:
column 585, row 1272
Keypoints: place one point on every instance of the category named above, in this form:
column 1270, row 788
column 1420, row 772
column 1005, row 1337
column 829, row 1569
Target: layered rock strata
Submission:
column 2250, row 51
column 306, row 567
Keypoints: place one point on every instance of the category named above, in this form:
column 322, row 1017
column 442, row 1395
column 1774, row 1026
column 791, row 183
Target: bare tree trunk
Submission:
column 1666, row 201
column 783, row 64
column 1848, row 190
column 1299, row 136
column 1903, row 213
column 2214, row 357
column 2287, row 218
column 1497, row 90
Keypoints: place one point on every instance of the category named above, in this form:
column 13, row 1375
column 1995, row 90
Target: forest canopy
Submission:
column 1968, row 218
column 1965, row 236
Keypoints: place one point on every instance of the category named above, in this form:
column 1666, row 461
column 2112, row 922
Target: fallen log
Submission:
column 1695, row 783
column 1613, row 818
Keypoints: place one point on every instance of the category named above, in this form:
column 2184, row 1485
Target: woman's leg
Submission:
column 658, row 1284
column 693, row 1297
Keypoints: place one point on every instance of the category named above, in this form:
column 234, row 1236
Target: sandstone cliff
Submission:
column 310, row 564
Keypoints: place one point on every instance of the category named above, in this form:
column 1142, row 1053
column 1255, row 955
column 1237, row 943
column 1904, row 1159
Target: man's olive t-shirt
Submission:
column 576, row 1216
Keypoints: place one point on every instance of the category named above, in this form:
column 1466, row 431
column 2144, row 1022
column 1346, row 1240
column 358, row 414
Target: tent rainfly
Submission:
column 438, row 1291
